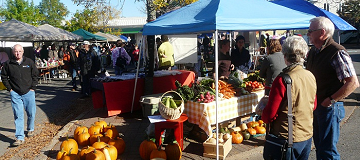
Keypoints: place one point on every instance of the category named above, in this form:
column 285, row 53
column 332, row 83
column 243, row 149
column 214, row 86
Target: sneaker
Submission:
column 73, row 89
column 17, row 143
column 30, row 133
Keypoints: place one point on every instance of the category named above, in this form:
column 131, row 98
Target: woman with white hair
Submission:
column 303, row 96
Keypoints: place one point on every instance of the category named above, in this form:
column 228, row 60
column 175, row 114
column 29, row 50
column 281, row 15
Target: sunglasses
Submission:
column 313, row 30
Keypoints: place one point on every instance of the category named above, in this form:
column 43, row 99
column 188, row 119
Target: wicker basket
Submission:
column 171, row 113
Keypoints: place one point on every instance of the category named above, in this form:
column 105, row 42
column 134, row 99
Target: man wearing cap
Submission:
column 89, row 65
column 166, row 54
column 20, row 77
column 240, row 56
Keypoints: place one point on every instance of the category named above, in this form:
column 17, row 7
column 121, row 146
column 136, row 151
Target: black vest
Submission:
column 320, row 65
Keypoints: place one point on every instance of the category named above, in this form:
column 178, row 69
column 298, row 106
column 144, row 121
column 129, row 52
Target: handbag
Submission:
column 277, row 148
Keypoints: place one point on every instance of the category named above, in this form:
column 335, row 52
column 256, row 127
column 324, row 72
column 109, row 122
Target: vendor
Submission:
column 224, row 62
column 240, row 56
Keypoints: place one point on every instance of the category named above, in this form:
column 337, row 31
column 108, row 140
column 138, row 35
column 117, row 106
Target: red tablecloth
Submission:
column 118, row 95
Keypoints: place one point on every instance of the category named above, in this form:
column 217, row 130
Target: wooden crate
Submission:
column 224, row 149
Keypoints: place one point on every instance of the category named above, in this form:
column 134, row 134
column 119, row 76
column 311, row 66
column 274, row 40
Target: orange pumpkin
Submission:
column 252, row 131
column 237, row 138
column 111, row 131
column 93, row 138
column 71, row 156
column 95, row 155
column 99, row 145
column 261, row 123
column 105, row 138
column 68, row 144
column 112, row 151
column 158, row 153
column 60, row 154
column 79, row 130
column 94, row 129
column 173, row 151
column 102, row 125
column 84, row 138
column 145, row 149
column 118, row 143
column 260, row 130
column 84, row 151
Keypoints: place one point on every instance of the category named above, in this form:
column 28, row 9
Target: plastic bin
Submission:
column 149, row 104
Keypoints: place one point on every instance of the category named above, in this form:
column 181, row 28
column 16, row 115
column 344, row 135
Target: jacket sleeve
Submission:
column 5, row 76
column 277, row 94
column 34, row 75
column 125, row 55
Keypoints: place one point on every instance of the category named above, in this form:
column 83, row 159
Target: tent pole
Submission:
column 136, row 78
column 338, row 31
column 216, row 89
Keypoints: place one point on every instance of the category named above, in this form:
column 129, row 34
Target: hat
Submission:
column 72, row 44
column 86, row 43
column 239, row 37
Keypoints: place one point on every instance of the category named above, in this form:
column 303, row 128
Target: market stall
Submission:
column 117, row 95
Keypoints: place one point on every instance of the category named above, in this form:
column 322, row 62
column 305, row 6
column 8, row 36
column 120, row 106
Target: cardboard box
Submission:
column 224, row 149
column 149, row 104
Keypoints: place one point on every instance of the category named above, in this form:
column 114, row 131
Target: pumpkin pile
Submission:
column 99, row 141
column 246, row 130
column 148, row 151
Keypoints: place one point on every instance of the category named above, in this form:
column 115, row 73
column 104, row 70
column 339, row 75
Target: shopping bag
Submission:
column 276, row 148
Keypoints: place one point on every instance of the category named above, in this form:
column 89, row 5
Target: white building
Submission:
column 130, row 26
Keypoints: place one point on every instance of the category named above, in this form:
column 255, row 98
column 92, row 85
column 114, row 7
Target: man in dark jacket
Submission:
column 20, row 77
column 73, row 65
column 89, row 66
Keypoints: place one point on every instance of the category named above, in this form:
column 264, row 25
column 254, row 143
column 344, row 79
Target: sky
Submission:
column 130, row 8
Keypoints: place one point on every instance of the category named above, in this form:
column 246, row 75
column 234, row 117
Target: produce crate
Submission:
column 149, row 104
column 224, row 149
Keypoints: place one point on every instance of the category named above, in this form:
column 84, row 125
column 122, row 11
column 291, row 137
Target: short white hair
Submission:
column 295, row 49
column 326, row 24
column 22, row 48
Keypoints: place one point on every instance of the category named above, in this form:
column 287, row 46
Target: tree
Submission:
column 54, row 12
column 85, row 19
column 21, row 10
column 164, row 6
column 350, row 12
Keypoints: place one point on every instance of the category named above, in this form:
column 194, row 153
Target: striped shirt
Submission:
column 343, row 65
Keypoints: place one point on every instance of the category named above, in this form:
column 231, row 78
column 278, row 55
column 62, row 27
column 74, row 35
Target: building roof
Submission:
column 130, row 22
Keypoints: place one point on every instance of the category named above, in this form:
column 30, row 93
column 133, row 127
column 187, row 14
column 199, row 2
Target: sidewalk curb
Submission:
column 60, row 134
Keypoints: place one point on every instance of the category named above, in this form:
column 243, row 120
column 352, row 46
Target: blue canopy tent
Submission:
column 307, row 7
column 88, row 36
column 225, row 15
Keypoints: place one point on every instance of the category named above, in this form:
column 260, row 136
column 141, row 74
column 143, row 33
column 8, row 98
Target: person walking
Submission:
column 20, row 77
column 120, row 57
column 73, row 65
column 303, row 96
column 336, row 79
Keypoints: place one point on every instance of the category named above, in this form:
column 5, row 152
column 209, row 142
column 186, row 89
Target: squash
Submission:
column 173, row 151
column 145, row 149
column 79, row 130
column 93, row 138
column 99, row 145
column 106, row 154
column 94, row 129
column 60, row 154
column 70, row 156
column 118, row 143
column 158, row 153
column 246, row 135
column 111, row 131
column 237, row 138
column 95, row 155
column 112, row 151
column 105, row 138
column 102, row 125
column 260, row 130
column 252, row 131
column 68, row 144
column 84, row 151
column 84, row 138
column 243, row 127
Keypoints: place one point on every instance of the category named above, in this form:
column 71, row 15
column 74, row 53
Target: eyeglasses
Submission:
column 313, row 30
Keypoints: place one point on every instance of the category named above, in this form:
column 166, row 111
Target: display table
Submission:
column 117, row 96
column 204, row 114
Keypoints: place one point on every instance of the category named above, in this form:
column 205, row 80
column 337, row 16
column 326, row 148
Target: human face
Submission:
column 315, row 34
column 18, row 52
column 240, row 43
column 226, row 47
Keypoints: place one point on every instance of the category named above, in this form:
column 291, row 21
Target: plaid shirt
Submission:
column 343, row 65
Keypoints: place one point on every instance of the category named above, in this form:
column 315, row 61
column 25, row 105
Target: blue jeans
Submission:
column 301, row 150
column 73, row 76
column 327, row 130
column 19, row 103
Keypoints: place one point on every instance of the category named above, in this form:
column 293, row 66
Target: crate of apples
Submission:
column 252, row 86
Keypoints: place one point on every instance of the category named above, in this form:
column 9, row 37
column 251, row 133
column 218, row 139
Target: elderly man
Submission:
column 19, row 76
column 335, row 79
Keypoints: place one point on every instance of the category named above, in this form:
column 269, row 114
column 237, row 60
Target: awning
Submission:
column 130, row 30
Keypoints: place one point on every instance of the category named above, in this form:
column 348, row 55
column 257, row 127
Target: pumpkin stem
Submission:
column 70, row 151
column 98, row 138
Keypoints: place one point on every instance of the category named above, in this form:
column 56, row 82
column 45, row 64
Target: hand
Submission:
column 232, row 67
column 32, row 90
column 326, row 102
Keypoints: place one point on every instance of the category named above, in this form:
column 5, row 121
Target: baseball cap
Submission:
column 86, row 43
column 72, row 44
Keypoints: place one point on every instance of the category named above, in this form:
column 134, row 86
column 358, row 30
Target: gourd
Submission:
column 260, row 130
column 106, row 154
column 118, row 143
column 70, row 156
column 111, row 131
column 68, row 144
column 145, row 149
column 84, row 138
column 112, row 151
column 102, row 125
column 252, row 131
column 99, row 145
column 60, row 154
column 79, row 130
column 95, row 155
column 173, row 151
column 237, row 138
column 84, row 151
column 94, row 129
column 246, row 135
column 93, row 138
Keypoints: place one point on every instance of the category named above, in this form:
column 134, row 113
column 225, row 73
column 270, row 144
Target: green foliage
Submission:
column 350, row 12
column 54, row 12
column 185, row 91
column 164, row 6
column 21, row 10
